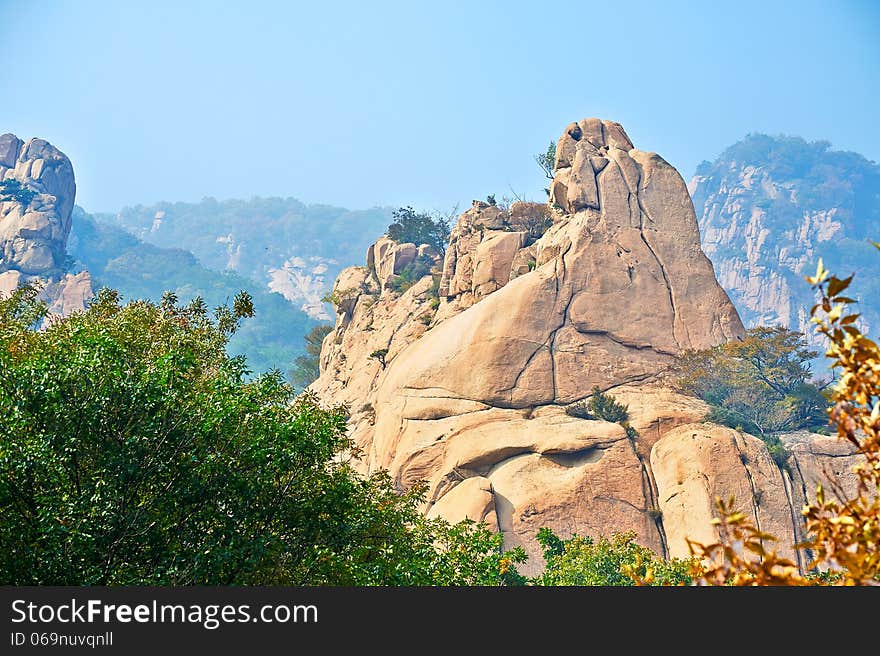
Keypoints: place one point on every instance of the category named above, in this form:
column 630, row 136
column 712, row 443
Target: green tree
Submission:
column 762, row 384
column 380, row 355
column 133, row 450
column 617, row 561
column 547, row 162
column 419, row 228
column 307, row 367
column 599, row 406
column 12, row 189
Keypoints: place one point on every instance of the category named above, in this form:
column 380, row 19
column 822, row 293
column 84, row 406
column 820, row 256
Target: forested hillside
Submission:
column 282, row 244
column 117, row 259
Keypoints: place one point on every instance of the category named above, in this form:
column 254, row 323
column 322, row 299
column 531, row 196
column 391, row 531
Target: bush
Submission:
column 12, row 190
column 599, row 406
column 411, row 274
column 616, row 561
column 419, row 228
column 307, row 367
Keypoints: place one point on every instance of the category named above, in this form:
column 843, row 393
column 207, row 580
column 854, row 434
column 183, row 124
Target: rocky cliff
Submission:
column 462, row 378
column 34, row 226
column 770, row 207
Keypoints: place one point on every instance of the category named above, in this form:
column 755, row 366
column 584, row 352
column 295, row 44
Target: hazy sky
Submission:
column 423, row 103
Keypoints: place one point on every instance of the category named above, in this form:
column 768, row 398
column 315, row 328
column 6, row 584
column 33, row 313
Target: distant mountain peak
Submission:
column 770, row 207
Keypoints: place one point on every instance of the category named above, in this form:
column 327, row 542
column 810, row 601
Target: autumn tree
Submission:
column 762, row 384
column 843, row 534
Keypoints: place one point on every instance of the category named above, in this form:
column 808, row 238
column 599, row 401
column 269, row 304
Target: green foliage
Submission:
column 491, row 200
column 761, row 385
column 12, row 190
column 337, row 297
column 581, row 560
column 393, row 543
column 133, row 451
column 599, row 406
column 419, row 228
column 306, row 367
column 547, row 160
column 411, row 274
column 379, row 354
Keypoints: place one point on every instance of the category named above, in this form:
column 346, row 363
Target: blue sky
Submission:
column 429, row 104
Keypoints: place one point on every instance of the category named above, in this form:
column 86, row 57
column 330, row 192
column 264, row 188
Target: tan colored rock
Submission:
column 565, row 147
column 524, row 261
column 655, row 409
column 71, row 294
column 427, row 251
column 615, row 136
column 473, row 498
column 388, row 258
column 559, row 188
column 33, row 236
column 593, row 131
column 695, row 464
column 822, row 460
column 488, row 247
column 582, row 192
column 473, row 396
column 619, row 293
column 546, row 470
column 9, row 282
column 494, row 257
column 10, row 146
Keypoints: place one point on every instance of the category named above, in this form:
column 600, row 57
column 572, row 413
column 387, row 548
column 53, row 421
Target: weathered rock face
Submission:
column 536, row 305
column 770, row 207
column 489, row 247
column 388, row 258
column 33, row 235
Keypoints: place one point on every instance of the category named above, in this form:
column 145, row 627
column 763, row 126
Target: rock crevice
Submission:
column 537, row 305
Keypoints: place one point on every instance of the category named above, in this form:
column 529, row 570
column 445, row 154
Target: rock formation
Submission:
column 33, row 234
column 770, row 207
column 462, row 379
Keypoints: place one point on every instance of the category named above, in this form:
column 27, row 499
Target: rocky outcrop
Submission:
column 462, row 379
column 489, row 247
column 33, row 235
column 770, row 207
column 388, row 258
column 34, row 228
